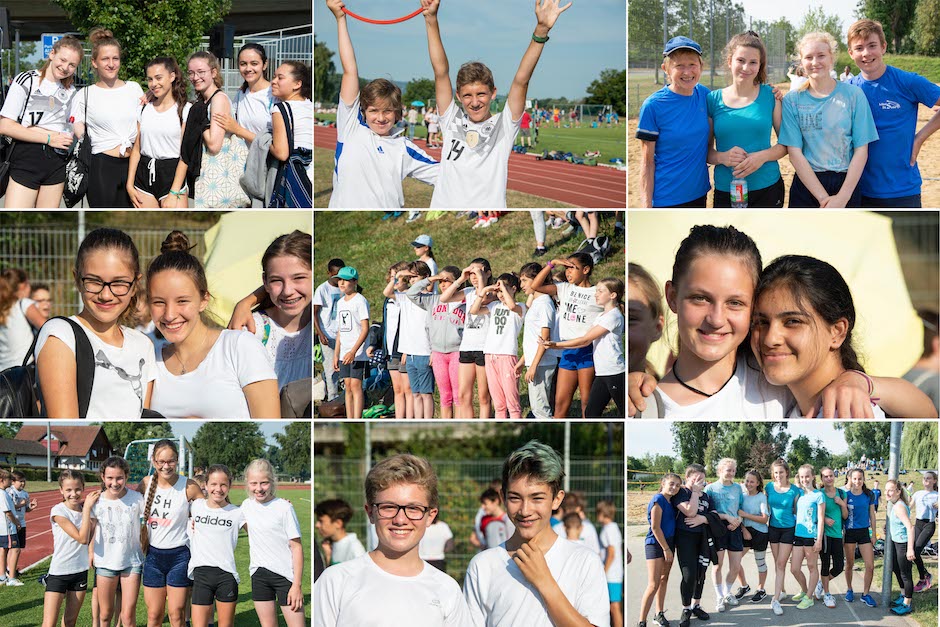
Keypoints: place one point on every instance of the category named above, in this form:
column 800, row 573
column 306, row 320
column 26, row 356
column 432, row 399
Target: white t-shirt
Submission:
column 577, row 310
column 213, row 535
column 19, row 495
column 7, row 505
column 161, row 131
column 368, row 168
column 475, row 327
column 214, row 388
column 349, row 315
column 303, row 122
column 117, row 534
column 540, row 315
column 413, row 336
column 502, row 336
column 112, row 116
column 252, row 110
column 326, row 296
column 474, row 160
column 747, row 395
column 347, row 548
column 608, row 348
column 433, row 542
column 48, row 102
column 169, row 515
column 587, row 537
column 610, row 536
column 68, row 555
column 16, row 335
column 498, row 593
column 122, row 373
column 391, row 321
column 291, row 353
column 877, row 412
column 360, row 594
column 271, row 527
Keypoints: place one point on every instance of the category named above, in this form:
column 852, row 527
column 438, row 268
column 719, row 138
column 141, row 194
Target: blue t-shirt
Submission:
column 858, row 510
column 827, row 130
column 756, row 506
column 667, row 521
column 679, row 127
column 894, row 100
column 807, row 514
column 727, row 499
column 704, row 505
column 781, row 505
column 877, row 494
column 748, row 128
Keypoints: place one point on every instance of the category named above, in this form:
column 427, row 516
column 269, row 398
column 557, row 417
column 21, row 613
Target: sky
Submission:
column 587, row 38
column 794, row 10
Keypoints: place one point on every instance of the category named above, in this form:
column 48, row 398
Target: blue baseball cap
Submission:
column 679, row 43
column 423, row 240
column 348, row 273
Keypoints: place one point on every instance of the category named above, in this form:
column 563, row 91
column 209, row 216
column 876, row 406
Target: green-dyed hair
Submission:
column 537, row 461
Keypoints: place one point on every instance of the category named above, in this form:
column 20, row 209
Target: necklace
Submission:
column 176, row 354
column 675, row 373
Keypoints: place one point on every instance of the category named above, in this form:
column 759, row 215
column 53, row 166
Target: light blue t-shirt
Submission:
column 858, row 507
column 726, row 498
column 827, row 130
column 748, row 128
column 781, row 505
column 679, row 127
column 756, row 506
column 898, row 530
column 894, row 99
column 807, row 514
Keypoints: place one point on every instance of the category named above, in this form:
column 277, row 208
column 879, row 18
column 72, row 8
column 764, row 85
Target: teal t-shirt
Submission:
column 828, row 130
column 748, row 128
column 834, row 512
column 807, row 514
column 898, row 530
column 781, row 505
column 727, row 499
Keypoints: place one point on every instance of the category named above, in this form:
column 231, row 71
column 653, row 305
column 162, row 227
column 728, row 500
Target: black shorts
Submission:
column 472, row 357
column 35, row 165
column 780, row 535
column 798, row 541
column 211, row 583
column 731, row 541
column 268, row 586
column 21, row 535
column 107, row 182
column 654, row 551
column 155, row 176
column 355, row 370
column 758, row 541
column 76, row 582
column 857, row 536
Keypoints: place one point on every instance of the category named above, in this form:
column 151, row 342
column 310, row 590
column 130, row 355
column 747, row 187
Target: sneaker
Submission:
column 660, row 619
column 484, row 222
column 557, row 223
column 412, row 216
column 759, row 596
column 42, row 579
column 642, row 623
column 929, row 580
column 699, row 613
column 493, row 220
column 570, row 230
column 868, row 600
column 742, row 590
column 13, row 581
column 481, row 221
column 731, row 600
column 776, row 607
column 849, row 595
column 920, row 586
column 806, row 603
column 539, row 251
column 829, row 600
column 898, row 601
column 722, row 605
column 799, row 596
column 901, row 610
column 818, row 593
column 686, row 619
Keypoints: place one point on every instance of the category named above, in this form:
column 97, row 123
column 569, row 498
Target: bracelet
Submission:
column 48, row 139
column 177, row 194
column 539, row 40
column 551, row 266
column 871, row 384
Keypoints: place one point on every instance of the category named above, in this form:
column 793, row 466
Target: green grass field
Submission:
column 363, row 240
column 22, row 607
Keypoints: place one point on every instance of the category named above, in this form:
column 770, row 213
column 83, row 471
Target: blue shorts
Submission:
column 577, row 358
column 107, row 572
column 615, row 592
column 11, row 541
column 420, row 374
column 167, row 567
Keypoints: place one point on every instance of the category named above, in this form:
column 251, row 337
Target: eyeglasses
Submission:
column 169, row 462
column 390, row 510
column 200, row 73
column 96, row 286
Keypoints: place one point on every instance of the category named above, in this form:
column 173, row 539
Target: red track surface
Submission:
column 577, row 185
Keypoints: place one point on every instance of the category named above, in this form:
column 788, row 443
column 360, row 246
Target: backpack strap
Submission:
column 84, row 364
column 29, row 93
column 288, row 115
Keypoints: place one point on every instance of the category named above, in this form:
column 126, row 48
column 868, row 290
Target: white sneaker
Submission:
column 721, row 606
column 731, row 600
column 776, row 607
column 13, row 581
column 818, row 593
column 829, row 600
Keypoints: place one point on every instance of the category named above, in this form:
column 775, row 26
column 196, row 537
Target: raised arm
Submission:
column 539, row 282
column 546, row 12
column 443, row 88
column 349, row 88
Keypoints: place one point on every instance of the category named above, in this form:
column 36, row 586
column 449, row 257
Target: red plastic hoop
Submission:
column 371, row 21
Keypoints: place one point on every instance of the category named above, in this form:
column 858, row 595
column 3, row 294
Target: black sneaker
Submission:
column 742, row 590
column 758, row 596
column 660, row 619
column 539, row 251
column 699, row 613
column 642, row 623
column 686, row 620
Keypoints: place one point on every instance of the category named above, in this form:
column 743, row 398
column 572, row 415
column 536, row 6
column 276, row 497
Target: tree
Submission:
column 418, row 89
column 610, row 88
column 149, row 29
column 324, row 73
column 919, row 445
column 27, row 49
column 927, row 27
column 896, row 16
column 816, row 19
column 690, row 439
column 761, row 456
column 801, row 452
column 120, row 434
column 295, row 449
column 9, row 429
column 231, row 443
column 867, row 438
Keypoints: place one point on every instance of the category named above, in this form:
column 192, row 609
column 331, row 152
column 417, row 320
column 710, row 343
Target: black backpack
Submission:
column 19, row 390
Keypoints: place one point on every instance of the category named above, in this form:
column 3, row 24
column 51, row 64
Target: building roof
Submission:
column 74, row 441
column 21, row 447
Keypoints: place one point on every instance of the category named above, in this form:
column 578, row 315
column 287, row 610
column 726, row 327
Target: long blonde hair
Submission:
column 66, row 42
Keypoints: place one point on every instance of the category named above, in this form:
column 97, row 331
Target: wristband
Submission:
column 177, row 194
column 48, row 139
column 871, row 384
column 551, row 266
column 539, row 40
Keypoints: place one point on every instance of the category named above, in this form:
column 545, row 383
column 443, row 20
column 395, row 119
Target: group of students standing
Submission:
column 697, row 524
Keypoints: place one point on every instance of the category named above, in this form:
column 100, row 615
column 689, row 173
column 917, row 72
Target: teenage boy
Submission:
column 477, row 144
column 891, row 177
column 495, row 525
column 324, row 323
column 9, row 525
column 612, row 555
column 392, row 585
column 22, row 504
column 338, row 545
column 536, row 579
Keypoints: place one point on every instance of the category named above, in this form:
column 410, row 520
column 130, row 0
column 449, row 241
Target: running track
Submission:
column 578, row 185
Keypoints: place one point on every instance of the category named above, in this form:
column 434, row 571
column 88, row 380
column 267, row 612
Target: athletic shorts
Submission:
column 472, row 357
column 577, row 358
column 655, row 551
column 524, row 132
column 34, row 165
column 758, row 541
column 76, row 582
column 167, row 567
column 780, row 535
column 155, row 176
column 731, row 541
column 268, row 586
column 420, row 374
column 798, row 541
column 10, row 542
column 111, row 574
column 355, row 370
column 857, row 536
column 394, row 362
column 615, row 592
column 211, row 583
column 21, row 536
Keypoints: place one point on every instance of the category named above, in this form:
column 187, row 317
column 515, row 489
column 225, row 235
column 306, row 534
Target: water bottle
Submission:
column 739, row 194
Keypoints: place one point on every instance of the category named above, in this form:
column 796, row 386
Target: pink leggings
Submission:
column 445, row 367
column 503, row 381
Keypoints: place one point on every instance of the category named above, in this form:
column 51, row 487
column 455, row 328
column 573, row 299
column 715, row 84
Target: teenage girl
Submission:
column 808, row 535
column 578, row 310
column 422, row 247
column 292, row 85
column 860, row 531
column 160, row 123
column 35, row 114
column 646, row 317
column 202, row 372
column 254, row 101
column 118, row 556
column 167, row 496
column 107, row 274
column 540, row 363
column 660, row 545
column 781, row 500
column 213, row 535
column 71, row 533
column 925, row 502
column 276, row 555
column 827, row 126
column 108, row 112
column 902, row 534
column 755, row 514
column 349, row 359
column 692, row 504
column 606, row 338
column 833, row 554
column 19, row 314
column 727, row 497
column 501, row 347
